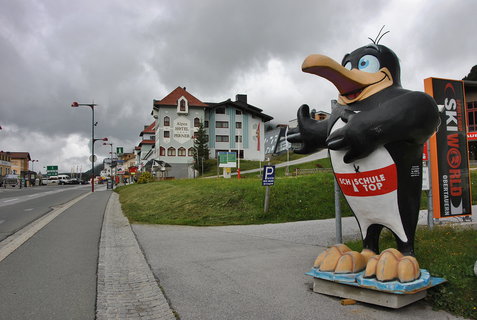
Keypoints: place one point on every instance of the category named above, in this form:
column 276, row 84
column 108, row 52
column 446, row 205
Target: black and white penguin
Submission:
column 375, row 135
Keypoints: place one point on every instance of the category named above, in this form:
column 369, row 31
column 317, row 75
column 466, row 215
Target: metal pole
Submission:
column 238, row 154
column 92, row 149
column 339, row 236
column 430, row 204
column 111, row 165
column 267, row 196
column 288, row 151
column 267, row 199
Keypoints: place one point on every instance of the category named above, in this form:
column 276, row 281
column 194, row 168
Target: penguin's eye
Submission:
column 368, row 63
column 348, row 65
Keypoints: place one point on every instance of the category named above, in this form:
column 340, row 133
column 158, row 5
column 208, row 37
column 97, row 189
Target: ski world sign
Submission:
column 449, row 154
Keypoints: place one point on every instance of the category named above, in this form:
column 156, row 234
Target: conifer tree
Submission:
column 201, row 149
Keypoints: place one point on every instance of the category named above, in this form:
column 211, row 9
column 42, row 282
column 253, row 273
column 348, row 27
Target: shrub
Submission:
column 146, row 177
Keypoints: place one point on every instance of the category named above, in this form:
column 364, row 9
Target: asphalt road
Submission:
column 18, row 207
column 53, row 274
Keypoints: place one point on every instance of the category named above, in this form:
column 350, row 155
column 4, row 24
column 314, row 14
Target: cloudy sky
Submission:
column 123, row 54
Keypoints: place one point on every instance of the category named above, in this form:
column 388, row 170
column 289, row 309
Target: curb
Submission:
column 126, row 287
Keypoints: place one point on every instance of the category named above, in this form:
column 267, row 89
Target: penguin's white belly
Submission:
column 370, row 187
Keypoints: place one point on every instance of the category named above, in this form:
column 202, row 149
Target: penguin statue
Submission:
column 375, row 137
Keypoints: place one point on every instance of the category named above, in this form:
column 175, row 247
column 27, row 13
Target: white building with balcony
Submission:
column 232, row 126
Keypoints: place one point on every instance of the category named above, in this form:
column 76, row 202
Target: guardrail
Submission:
column 299, row 172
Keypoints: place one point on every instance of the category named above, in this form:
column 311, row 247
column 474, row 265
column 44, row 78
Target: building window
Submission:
column 222, row 138
column 238, row 139
column 167, row 134
column 472, row 115
column 237, row 111
column 196, row 122
column 220, row 110
column 162, row 151
column 182, row 106
column 190, row 152
column 181, row 152
column 167, row 121
column 171, row 152
column 206, row 137
column 238, row 125
column 221, row 124
column 206, row 123
column 153, row 138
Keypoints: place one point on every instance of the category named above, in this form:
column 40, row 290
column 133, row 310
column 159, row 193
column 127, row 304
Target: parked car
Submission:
column 63, row 179
column 9, row 179
column 73, row 181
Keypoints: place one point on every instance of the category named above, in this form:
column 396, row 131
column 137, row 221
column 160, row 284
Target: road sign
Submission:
column 93, row 158
column 119, row 150
column 227, row 160
column 51, row 171
column 268, row 178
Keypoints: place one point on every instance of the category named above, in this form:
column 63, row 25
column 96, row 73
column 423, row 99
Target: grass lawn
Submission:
column 450, row 253
column 207, row 202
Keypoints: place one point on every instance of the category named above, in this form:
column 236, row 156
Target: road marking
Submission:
column 10, row 200
column 14, row 241
column 29, row 209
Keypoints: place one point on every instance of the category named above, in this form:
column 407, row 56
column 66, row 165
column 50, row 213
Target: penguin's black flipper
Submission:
column 351, row 137
column 311, row 133
column 410, row 116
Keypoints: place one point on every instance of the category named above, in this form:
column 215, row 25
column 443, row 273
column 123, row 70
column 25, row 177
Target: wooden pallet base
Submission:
column 380, row 298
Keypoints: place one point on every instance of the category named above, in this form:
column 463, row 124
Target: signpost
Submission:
column 119, row 150
column 268, row 179
column 51, row 171
column 227, row 160
column 450, row 176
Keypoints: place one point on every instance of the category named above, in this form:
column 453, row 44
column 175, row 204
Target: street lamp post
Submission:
column 93, row 160
column 93, row 140
column 111, row 163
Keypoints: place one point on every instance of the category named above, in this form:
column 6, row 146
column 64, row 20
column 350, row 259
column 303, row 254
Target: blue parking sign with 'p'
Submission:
column 268, row 178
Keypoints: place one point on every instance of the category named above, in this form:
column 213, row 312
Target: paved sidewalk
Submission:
column 127, row 288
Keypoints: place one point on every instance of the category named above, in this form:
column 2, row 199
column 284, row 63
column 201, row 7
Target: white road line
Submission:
column 10, row 200
column 14, row 241
column 29, row 209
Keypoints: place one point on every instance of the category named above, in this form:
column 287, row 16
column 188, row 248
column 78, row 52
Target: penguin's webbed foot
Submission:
column 391, row 265
column 340, row 259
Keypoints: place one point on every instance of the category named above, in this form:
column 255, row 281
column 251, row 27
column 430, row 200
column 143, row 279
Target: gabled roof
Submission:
column 146, row 142
column 20, row 155
column 172, row 98
column 149, row 129
column 243, row 106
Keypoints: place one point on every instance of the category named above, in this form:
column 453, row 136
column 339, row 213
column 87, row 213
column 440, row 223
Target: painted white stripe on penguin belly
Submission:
column 370, row 187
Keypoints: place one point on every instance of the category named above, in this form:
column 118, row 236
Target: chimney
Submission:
column 241, row 98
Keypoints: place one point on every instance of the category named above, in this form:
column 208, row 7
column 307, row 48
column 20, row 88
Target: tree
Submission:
column 472, row 76
column 201, row 149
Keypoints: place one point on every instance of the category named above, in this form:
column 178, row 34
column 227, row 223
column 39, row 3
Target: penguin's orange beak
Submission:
column 353, row 85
